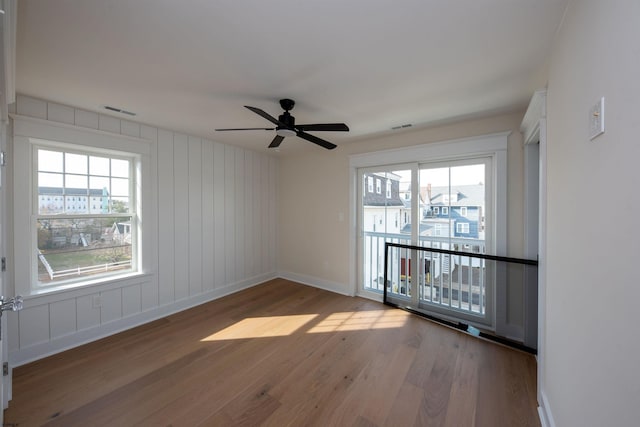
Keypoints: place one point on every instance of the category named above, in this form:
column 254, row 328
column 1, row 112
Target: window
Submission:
column 463, row 211
column 462, row 227
column 437, row 230
column 436, row 210
column 445, row 210
column 370, row 183
column 378, row 186
column 388, row 189
column 76, row 240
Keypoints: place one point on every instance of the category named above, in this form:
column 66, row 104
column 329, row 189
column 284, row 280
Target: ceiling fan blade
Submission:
column 329, row 127
column 219, row 130
column 266, row 115
column 276, row 141
column 321, row 142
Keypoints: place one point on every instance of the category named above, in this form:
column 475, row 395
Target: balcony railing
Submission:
column 457, row 282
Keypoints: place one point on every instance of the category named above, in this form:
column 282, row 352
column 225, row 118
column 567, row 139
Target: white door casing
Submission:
column 8, row 19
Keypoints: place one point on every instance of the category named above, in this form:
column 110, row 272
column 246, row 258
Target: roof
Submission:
column 468, row 195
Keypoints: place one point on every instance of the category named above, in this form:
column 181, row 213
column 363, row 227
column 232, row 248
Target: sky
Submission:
column 439, row 177
column 83, row 171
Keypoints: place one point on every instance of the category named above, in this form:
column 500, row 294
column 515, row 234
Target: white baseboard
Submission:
column 544, row 412
column 338, row 288
column 38, row 351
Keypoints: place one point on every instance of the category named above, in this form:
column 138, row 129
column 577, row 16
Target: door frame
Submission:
column 534, row 130
column 8, row 22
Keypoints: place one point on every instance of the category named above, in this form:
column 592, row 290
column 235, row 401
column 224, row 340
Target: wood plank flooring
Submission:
column 280, row 354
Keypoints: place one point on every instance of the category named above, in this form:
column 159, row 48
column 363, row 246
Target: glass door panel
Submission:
column 453, row 217
column 385, row 213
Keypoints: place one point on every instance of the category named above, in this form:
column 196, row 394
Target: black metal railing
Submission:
column 451, row 288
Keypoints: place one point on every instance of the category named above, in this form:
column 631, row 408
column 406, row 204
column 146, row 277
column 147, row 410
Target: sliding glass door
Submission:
column 443, row 205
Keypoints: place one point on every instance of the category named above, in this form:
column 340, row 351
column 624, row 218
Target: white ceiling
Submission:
column 191, row 65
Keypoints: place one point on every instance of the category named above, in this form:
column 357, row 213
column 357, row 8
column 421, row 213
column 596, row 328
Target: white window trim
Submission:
column 491, row 145
column 134, row 159
column 370, row 184
column 463, row 211
column 378, row 186
column 28, row 133
column 445, row 210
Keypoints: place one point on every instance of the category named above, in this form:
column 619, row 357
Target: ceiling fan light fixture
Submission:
column 284, row 132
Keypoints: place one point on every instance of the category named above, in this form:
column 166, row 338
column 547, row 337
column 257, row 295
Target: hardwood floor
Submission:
column 281, row 354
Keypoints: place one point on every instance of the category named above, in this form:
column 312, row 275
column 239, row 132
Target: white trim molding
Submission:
column 530, row 126
column 534, row 129
column 544, row 412
column 443, row 150
column 315, row 282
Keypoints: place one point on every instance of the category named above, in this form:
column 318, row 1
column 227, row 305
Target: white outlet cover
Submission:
column 596, row 119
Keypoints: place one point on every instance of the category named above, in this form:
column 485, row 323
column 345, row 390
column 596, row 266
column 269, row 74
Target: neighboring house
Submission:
column 383, row 207
column 405, row 195
column 462, row 206
column 51, row 200
column 121, row 232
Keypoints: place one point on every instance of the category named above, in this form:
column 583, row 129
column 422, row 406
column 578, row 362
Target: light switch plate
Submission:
column 596, row 119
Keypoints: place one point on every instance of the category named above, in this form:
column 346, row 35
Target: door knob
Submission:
column 12, row 304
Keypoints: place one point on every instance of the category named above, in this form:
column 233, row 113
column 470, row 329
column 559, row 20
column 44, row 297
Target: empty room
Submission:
column 292, row 213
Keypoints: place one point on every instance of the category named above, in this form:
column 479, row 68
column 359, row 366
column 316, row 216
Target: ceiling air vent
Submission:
column 119, row 110
column 408, row 125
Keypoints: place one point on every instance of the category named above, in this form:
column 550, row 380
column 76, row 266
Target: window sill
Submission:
column 91, row 286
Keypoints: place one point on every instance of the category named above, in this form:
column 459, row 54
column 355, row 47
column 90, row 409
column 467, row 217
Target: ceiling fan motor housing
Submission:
column 287, row 119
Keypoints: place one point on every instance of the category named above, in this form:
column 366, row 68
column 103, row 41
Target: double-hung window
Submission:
column 85, row 220
column 82, row 207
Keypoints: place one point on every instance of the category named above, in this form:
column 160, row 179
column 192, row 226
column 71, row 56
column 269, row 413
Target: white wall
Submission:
column 314, row 234
column 213, row 215
column 591, row 373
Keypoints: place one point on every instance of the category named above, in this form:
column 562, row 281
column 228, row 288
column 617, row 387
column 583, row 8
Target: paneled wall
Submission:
column 213, row 232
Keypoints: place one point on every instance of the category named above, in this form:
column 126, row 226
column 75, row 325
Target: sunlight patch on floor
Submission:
column 262, row 327
column 361, row 320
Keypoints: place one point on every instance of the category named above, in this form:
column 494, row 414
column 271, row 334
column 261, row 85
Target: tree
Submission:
column 118, row 206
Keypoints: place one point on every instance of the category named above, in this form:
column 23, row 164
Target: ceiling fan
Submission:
column 286, row 126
